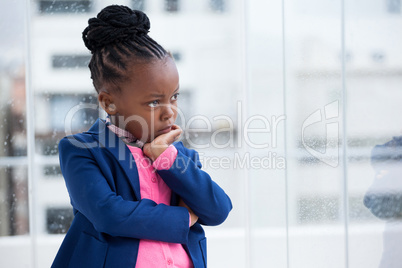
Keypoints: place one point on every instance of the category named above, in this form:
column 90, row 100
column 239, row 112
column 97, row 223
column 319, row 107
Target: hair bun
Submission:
column 114, row 24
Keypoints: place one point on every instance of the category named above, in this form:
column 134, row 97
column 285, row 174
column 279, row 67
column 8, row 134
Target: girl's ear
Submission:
column 106, row 102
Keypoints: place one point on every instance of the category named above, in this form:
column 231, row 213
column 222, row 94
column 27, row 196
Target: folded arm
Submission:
column 198, row 191
column 92, row 195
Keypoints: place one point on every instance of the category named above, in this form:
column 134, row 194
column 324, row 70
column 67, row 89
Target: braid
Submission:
column 117, row 36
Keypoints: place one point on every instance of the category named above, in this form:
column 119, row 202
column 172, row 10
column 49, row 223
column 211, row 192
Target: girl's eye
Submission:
column 175, row 96
column 153, row 104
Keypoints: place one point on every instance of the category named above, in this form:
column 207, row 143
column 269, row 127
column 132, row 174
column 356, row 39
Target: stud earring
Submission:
column 112, row 107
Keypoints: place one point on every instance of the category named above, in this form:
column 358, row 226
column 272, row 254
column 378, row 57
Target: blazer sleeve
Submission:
column 92, row 196
column 206, row 199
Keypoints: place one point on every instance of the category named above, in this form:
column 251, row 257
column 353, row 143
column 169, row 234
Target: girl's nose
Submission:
column 168, row 112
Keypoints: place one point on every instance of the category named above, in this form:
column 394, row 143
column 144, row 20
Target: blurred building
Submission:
column 207, row 37
column 14, row 216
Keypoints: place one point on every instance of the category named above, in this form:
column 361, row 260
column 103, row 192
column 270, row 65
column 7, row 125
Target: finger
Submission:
column 175, row 127
column 173, row 135
column 175, row 130
column 178, row 128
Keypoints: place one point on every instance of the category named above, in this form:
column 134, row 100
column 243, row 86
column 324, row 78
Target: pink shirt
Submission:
column 156, row 253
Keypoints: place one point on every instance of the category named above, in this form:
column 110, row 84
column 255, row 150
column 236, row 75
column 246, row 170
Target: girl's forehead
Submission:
column 156, row 77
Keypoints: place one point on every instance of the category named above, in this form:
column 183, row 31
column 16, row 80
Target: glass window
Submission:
column 58, row 220
column 294, row 107
column 177, row 56
column 138, row 4
column 70, row 61
column 66, row 6
column 172, row 5
column 394, row 6
column 81, row 117
column 52, row 171
column 217, row 5
column 14, row 200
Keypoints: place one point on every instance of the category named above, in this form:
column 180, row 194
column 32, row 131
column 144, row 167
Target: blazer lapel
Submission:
column 120, row 151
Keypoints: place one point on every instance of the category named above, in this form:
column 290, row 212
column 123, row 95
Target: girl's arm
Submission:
column 92, row 196
column 196, row 188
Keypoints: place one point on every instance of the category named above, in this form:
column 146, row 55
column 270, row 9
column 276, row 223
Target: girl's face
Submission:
column 146, row 106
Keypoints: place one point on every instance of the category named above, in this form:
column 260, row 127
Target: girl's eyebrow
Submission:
column 162, row 95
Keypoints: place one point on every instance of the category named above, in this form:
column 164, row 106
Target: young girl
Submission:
column 139, row 198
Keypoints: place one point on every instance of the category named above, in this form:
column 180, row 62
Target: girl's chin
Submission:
column 157, row 134
column 150, row 139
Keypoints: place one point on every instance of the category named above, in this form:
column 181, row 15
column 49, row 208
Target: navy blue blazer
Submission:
column 110, row 217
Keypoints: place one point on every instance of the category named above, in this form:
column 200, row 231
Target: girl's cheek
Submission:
column 152, row 133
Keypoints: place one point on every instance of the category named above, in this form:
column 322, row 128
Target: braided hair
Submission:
column 116, row 37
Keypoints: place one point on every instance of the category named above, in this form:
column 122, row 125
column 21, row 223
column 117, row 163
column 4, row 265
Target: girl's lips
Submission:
column 165, row 130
